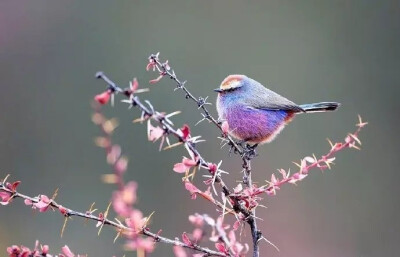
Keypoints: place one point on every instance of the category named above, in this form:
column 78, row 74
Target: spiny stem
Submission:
column 145, row 231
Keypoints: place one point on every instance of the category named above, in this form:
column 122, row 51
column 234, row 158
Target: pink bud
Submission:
column 104, row 97
column 63, row 210
column 45, row 249
column 121, row 165
column 212, row 167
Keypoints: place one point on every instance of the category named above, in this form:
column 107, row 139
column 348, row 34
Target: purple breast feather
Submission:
column 255, row 125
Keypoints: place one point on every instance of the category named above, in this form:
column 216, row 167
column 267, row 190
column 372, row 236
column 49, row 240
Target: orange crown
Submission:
column 231, row 81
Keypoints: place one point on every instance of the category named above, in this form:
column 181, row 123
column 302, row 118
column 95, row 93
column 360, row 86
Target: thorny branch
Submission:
column 157, row 116
column 134, row 101
column 170, row 130
column 124, row 205
column 67, row 213
column 308, row 163
column 246, row 152
column 249, row 215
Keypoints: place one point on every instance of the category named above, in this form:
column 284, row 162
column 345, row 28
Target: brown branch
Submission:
column 251, row 220
column 324, row 162
column 67, row 212
column 170, row 130
column 201, row 102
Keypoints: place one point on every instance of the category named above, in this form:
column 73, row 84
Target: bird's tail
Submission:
column 320, row 107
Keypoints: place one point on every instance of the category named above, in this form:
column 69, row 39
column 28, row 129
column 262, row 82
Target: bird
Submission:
column 256, row 114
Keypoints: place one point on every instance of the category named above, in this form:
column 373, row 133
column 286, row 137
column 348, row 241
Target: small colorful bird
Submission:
column 256, row 114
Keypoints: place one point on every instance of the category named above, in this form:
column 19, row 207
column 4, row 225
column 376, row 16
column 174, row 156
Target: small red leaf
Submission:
column 15, row 185
column 221, row 248
column 186, row 239
column 104, row 97
column 185, row 132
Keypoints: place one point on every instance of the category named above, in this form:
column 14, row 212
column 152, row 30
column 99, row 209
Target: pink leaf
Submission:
column 274, row 181
column 236, row 225
column 197, row 234
column 179, row 251
column 151, row 65
column 154, row 81
column 134, row 85
column 197, row 220
column 238, row 188
column 189, row 162
column 154, row 133
column 186, row 239
column 180, row 167
column 185, row 130
column 221, row 248
column 104, row 97
column 192, row 189
column 43, row 204
column 67, row 251
column 5, row 197
column 15, row 185
column 121, row 165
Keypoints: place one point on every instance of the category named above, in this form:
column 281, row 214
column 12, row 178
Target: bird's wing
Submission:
column 266, row 99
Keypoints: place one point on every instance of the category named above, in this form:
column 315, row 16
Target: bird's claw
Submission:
column 249, row 151
column 245, row 150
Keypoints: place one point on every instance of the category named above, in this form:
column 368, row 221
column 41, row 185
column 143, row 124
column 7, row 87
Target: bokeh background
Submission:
column 347, row 51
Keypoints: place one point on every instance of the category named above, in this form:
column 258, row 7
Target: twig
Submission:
column 308, row 163
column 67, row 212
column 164, row 70
column 169, row 129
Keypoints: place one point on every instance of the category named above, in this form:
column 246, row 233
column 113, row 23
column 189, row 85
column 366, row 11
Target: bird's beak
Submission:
column 218, row 90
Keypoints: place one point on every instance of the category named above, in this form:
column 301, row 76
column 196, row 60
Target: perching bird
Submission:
column 256, row 114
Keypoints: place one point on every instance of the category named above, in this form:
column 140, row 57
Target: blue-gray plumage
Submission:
column 256, row 114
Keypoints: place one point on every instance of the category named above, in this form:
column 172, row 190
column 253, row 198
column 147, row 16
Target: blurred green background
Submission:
column 345, row 51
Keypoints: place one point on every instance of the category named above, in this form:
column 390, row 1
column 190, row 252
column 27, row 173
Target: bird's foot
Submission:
column 233, row 147
column 249, row 151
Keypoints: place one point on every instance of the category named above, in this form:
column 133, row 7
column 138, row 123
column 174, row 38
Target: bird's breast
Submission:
column 255, row 125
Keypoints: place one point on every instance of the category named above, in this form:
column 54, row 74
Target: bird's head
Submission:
column 231, row 84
